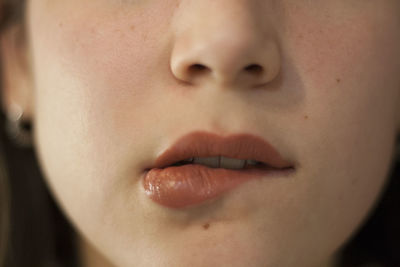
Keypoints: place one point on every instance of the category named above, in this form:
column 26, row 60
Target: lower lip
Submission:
column 193, row 184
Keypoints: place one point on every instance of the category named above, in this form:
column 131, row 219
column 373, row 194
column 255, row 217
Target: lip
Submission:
column 193, row 184
column 206, row 144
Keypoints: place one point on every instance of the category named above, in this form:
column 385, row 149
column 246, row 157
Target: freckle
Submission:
column 206, row 226
column 60, row 24
column 300, row 36
column 306, row 117
column 338, row 80
column 132, row 27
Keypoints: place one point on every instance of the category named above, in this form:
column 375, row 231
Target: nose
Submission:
column 225, row 42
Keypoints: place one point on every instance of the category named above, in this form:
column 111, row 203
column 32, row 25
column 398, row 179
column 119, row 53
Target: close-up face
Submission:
column 114, row 84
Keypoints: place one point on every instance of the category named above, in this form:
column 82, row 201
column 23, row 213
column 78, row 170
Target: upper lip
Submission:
column 206, row 144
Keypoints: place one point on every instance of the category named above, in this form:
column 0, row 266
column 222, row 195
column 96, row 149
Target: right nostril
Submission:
column 254, row 69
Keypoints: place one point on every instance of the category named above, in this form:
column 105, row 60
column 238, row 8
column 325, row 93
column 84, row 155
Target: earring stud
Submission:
column 18, row 130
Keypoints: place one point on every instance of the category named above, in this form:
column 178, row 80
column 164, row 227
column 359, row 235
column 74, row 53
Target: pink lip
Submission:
column 194, row 184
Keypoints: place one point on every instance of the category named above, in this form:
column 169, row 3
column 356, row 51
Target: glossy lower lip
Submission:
column 190, row 185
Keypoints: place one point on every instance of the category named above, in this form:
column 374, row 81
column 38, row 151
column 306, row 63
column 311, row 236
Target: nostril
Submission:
column 254, row 69
column 198, row 69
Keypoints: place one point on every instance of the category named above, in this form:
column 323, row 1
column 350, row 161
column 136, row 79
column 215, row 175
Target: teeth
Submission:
column 252, row 162
column 223, row 162
column 189, row 160
column 230, row 163
column 212, row 162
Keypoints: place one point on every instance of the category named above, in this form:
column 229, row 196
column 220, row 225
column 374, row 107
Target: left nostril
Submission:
column 198, row 68
column 254, row 69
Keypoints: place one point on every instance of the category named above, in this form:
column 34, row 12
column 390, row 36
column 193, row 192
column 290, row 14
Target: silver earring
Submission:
column 18, row 130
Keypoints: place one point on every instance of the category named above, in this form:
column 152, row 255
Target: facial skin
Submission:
column 109, row 86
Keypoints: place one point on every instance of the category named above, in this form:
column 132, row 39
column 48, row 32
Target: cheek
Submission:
column 91, row 81
column 348, row 71
column 93, row 71
column 106, row 58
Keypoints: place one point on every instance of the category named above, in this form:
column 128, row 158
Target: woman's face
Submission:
column 114, row 85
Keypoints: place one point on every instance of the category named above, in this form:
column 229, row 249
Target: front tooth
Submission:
column 210, row 162
column 230, row 163
column 252, row 162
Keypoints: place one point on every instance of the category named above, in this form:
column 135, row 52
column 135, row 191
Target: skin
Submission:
column 108, row 86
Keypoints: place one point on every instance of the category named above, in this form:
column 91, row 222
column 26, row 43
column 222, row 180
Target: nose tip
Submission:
column 225, row 59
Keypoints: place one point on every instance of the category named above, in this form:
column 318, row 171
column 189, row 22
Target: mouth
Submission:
column 202, row 166
column 223, row 162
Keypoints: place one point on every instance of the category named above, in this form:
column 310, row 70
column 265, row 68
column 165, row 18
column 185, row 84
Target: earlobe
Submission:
column 17, row 86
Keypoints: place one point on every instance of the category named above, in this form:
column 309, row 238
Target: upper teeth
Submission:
column 223, row 162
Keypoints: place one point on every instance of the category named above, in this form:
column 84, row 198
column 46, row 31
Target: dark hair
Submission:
column 34, row 232
column 39, row 234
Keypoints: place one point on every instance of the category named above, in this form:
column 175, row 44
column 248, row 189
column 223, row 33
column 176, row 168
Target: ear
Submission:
column 17, row 82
